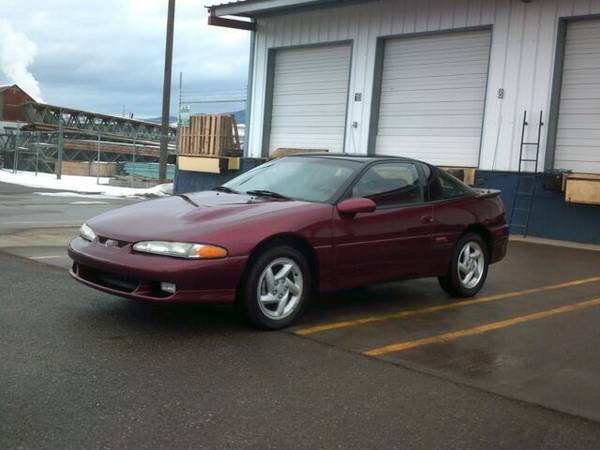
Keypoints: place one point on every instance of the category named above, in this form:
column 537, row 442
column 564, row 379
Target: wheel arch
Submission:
column 485, row 234
column 296, row 241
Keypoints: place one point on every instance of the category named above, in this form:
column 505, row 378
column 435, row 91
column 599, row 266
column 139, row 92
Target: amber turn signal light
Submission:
column 210, row 251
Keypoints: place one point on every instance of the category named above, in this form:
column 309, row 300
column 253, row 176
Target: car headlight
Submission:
column 87, row 233
column 181, row 249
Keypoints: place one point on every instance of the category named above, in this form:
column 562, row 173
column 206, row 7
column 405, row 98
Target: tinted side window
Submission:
column 390, row 184
column 445, row 186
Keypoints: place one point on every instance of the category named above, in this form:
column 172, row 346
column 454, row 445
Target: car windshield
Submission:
column 298, row 178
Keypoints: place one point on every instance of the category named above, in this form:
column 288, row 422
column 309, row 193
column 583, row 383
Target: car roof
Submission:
column 363, row 159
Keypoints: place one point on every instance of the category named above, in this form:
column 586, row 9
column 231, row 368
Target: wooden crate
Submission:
column 583, row 188
column 209, row 135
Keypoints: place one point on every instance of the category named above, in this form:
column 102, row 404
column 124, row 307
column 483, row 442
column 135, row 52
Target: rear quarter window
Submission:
column 443, row 186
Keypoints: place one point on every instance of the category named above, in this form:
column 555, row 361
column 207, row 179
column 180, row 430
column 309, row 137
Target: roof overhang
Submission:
column 256, row 8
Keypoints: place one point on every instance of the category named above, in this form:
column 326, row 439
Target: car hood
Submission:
column 187, row 218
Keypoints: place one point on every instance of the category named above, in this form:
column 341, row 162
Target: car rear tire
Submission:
column 276, row 288
column 468, row 268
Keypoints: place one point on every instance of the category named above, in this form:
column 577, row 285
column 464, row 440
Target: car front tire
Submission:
column 468, row 268
column 276, row 288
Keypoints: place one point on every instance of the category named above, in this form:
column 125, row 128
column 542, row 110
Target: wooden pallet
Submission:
column 210, row 135
column 583, row 188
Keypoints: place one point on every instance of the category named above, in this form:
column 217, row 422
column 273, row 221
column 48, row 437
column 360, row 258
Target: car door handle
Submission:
column 426, row 219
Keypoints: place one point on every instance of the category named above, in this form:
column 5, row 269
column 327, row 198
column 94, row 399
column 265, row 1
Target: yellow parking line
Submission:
column 433, row 309
column 446, row 337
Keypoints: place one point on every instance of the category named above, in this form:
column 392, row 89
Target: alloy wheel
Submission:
column 280, row 288
column 471, row 263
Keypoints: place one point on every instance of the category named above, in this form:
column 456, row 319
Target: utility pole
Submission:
column 164, row 130
column 61, row 145
column 180, row 90
column 179, row 112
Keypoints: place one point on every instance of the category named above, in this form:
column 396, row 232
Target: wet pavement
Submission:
column 390, row 366
column 531, row 334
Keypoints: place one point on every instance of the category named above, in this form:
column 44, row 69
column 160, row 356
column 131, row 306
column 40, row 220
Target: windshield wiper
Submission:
column 266, row 193
column 225, row 189
column 188, row 199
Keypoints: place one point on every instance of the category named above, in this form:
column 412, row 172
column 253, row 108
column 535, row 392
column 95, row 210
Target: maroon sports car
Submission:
column 295, row 226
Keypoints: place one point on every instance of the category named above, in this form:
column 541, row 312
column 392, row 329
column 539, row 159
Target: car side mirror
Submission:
column 352, row 206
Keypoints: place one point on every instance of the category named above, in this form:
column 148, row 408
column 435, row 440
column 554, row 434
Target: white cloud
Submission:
column 108, row 54
column 17, row 53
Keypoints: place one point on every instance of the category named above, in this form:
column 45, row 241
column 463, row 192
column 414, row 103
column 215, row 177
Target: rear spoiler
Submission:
column 485, row 193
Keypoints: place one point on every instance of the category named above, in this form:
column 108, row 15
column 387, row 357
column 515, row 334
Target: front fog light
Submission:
column 168, row 287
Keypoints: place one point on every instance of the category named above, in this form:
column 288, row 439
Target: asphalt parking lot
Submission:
column 36, row 223
column 531, row 334
column 390, row 366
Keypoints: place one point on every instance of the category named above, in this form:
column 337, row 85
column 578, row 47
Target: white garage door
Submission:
column 310, row 95
column 433, row 96
column 578, row 132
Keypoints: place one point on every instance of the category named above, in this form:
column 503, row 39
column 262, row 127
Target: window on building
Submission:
column 390, row 184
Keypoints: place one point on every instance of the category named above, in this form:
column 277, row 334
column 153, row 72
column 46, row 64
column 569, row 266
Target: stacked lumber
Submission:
column 112, row 147
column 209, row 135
column 89, row 168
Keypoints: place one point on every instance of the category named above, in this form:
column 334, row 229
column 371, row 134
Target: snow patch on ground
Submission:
column 74, row 194
column 88, row 203
column 80, row 186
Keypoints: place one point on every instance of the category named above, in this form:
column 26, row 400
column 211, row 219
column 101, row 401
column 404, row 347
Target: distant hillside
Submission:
column 158, row 120
column 240, row 118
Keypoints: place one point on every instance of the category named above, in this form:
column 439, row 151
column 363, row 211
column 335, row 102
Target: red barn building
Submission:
column 11, row 99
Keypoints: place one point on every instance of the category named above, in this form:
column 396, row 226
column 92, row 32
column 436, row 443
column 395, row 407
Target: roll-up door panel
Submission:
column 310, row 97
column 578, row 130
column 432, row 97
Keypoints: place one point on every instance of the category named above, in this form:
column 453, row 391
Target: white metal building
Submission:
column 445, row 81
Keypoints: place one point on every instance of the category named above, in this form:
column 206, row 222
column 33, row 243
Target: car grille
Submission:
column 108, row 242
column 107, row 279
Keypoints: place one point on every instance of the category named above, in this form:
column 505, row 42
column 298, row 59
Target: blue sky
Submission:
column 106, row 56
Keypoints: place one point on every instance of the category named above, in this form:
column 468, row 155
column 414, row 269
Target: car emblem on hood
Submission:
column 111, row 243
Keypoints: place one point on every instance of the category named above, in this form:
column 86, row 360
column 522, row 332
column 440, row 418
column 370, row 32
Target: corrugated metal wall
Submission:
column 11, row 100
column 522, row 58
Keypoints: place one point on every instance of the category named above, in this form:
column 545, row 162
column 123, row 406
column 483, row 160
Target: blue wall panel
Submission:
column 551, row 216
column 186, row 181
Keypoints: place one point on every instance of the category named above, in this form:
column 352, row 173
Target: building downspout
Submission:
column 249, row 90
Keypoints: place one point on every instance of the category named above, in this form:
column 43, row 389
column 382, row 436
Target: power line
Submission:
column 197, row 102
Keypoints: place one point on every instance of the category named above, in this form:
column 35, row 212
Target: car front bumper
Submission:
column 119, row 271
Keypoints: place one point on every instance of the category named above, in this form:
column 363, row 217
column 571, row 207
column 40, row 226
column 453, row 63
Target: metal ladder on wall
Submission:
column 526, row 180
